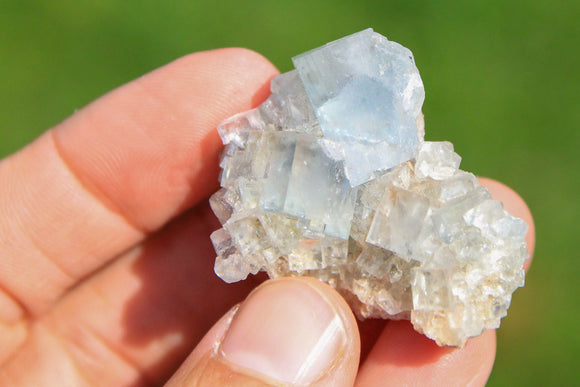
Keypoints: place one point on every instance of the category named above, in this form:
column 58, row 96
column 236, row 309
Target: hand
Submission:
column 106, row 266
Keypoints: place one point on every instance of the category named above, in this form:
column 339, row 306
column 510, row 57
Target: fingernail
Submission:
column 286, row 330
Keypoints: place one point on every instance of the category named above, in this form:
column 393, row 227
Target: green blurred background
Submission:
column 501, row 80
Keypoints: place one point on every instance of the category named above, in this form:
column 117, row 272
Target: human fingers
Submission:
column 402, row 356
column 210, row 86
column 121, row 167
column 291, row 331
column 136, row 320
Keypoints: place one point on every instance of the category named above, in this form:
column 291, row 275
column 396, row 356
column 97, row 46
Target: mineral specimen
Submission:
column 330, row 177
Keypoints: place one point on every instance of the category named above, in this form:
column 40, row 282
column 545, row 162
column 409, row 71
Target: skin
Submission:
column 105, row 259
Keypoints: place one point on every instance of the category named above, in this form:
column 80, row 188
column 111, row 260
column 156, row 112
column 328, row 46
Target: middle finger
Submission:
column 142, row 315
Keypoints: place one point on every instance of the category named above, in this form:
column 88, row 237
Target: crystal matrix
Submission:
column 330, row 177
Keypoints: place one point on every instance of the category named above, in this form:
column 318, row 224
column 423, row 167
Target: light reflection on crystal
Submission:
column 346, row 190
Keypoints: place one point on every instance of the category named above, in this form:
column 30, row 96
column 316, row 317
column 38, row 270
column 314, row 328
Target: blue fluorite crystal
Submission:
column 330, row 178
column 348, row 111
column 367, row 95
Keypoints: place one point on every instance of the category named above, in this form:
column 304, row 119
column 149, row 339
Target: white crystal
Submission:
column 330, row 178
column 437, row 160
column 229, row 264
column 398, row 222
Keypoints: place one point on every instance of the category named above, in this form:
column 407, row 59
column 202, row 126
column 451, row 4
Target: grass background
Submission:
column 501, row 80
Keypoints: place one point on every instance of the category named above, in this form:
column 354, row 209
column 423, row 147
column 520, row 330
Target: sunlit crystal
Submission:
column 330, row 177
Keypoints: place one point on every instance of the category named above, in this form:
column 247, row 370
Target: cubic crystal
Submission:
column 330, row 177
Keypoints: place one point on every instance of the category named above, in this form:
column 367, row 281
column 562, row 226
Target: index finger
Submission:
column 118, row 169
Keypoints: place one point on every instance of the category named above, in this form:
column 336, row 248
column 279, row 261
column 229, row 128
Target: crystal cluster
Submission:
column 330, row 177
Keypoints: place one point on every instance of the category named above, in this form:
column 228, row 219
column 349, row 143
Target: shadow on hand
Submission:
column 180, row 296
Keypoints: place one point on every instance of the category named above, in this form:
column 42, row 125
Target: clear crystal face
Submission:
column 330, row 178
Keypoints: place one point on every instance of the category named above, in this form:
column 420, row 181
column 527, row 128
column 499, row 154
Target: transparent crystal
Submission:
column 318, row 189
column 398, row 222
column 367, row 95
column 330, row 178
column 437, row 160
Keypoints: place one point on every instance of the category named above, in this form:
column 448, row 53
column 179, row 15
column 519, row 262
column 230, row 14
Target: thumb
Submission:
column 289, row 331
